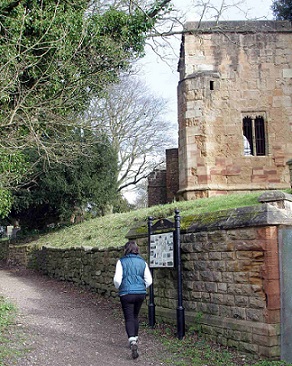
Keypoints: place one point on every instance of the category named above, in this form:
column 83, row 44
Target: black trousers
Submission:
column 131, row 305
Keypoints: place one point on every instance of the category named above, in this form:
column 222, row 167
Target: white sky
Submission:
column 162, row 77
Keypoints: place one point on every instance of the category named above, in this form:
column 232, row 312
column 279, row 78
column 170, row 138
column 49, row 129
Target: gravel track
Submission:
column 60, row 324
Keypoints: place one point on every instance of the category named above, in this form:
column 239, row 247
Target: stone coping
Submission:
column 259, row 215
column 262, row 214
column 273, row 196
column 240, row 26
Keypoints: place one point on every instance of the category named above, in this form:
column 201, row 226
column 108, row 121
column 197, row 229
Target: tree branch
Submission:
column 157, row 8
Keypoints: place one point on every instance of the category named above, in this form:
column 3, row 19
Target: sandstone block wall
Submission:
column 230, row 287
column 172, row 184
column 163, row 185
column 156, row 189
column 87, row 267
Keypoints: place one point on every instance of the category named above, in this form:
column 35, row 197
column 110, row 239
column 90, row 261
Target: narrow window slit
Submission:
column 254, row 133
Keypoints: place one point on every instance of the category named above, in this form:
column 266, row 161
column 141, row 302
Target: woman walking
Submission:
column 132, row 277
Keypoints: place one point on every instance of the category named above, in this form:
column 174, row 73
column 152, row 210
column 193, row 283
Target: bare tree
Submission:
column 141, row 195
column 134, row 120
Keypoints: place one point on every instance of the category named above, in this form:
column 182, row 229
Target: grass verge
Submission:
column 7, row 320
column 194, row 350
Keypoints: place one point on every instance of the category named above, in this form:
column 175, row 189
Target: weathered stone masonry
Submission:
column 231, row 275
column 163, row 184
column 232, row 73
column 235, row 79
column 228, row 282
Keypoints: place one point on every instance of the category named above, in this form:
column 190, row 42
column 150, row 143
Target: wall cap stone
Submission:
column 259, row 215
column 239, row 26
column 272, row 196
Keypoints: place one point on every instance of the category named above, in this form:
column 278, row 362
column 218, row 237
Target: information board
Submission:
column 161, row 250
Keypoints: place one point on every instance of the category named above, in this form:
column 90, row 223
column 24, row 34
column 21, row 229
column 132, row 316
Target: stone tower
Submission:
column 234, row 107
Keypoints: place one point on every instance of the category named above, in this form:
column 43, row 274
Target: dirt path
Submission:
column 63, row 325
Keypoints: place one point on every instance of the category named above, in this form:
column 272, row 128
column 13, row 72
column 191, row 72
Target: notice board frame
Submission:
column 161, row 244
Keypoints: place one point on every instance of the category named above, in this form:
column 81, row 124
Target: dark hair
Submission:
column 131, row 248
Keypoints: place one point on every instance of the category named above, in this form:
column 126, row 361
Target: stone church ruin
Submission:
column 234, row 112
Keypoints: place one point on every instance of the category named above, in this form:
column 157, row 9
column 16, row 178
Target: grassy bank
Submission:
column 110, row 230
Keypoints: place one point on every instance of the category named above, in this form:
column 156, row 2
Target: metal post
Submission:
column 180, row 312
column 151, row 305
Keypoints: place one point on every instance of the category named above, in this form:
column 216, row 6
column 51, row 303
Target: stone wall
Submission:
column 172, row 185
column 4, row 250
column 231, row 293
column 87, row 267
column 163, row 183
column 156, row 189
column 231, row 275
column 229, row 71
